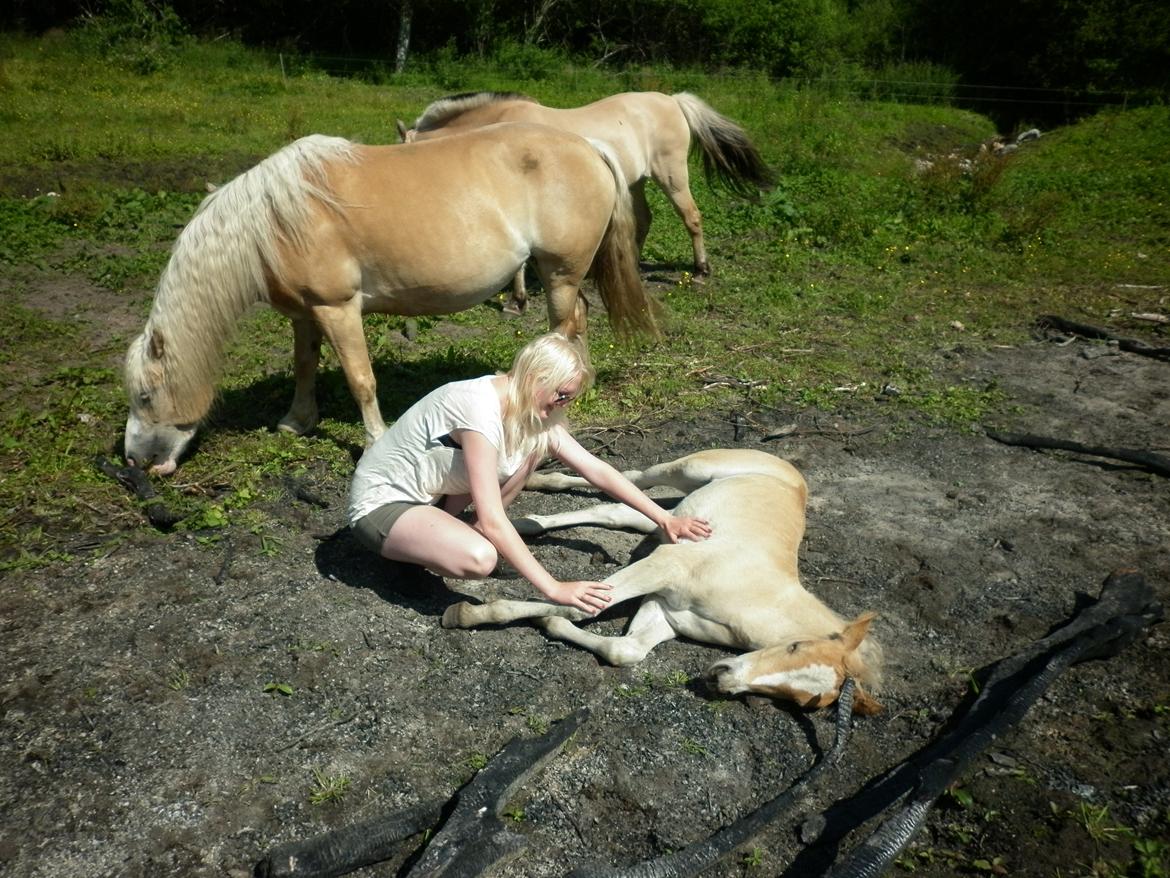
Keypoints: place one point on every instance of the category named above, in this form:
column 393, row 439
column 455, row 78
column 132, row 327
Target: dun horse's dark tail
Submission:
column 615, row 267
column 728, row 153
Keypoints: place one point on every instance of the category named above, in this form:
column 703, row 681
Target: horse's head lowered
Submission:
column 162, row 422
column 808, row 672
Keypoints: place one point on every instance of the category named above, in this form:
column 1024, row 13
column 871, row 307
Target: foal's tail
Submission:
column 727, row 152
column 615, row 267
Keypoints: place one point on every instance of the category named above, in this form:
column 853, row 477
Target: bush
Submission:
column 141, row 35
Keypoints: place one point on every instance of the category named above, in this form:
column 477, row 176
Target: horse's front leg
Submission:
column 302, row 415
column 568, row 311
column 342, row 326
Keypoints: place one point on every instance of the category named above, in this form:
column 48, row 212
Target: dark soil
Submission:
column 169, row 708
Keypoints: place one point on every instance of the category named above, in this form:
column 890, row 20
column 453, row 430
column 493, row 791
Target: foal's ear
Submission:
column 856, row 630
column 865, row 704
column 156, row 345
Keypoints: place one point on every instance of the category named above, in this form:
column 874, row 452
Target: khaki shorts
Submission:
column 370, row 530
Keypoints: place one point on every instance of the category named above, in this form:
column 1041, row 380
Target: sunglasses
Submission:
column 563, row 398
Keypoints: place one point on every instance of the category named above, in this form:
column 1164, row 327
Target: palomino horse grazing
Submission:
column 651, row 134
column 739, row 588
column 326, row 230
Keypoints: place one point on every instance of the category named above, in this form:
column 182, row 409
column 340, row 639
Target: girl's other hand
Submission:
column 680, row 528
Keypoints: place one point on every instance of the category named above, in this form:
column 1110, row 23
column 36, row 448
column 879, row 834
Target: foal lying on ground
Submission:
column 740, row 588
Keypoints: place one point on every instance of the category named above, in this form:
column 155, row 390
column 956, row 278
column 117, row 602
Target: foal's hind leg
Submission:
column 302, row 415
column 682, row 474
column 617, row 516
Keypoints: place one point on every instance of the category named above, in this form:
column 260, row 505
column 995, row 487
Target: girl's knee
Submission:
column 479, row 561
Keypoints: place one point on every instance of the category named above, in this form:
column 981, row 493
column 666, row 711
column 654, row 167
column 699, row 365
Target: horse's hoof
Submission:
column 289, row 424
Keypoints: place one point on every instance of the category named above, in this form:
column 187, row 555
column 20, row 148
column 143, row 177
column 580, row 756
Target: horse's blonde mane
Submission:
column 445, row 109
column 222, row 261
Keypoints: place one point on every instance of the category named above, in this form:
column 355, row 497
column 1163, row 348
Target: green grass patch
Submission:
column 839, row 288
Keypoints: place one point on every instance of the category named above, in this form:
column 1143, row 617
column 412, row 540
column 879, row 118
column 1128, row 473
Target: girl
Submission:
column 477, row 441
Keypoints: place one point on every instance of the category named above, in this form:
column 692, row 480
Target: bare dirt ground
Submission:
column 146, row 730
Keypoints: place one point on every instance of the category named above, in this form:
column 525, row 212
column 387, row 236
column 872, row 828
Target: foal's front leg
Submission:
column 654, row 573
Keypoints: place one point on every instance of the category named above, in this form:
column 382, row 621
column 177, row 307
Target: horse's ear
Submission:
column 401, row 126
column 156, row 347
column 865, row 704
column 856, row 630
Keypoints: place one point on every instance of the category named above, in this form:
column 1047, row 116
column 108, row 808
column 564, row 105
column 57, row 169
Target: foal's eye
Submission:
column 793, row 647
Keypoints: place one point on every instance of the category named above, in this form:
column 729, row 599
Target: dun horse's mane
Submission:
column 222, row 261
column 445, row 109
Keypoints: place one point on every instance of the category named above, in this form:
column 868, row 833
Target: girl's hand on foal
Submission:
column 680, row 528
column 592, row 597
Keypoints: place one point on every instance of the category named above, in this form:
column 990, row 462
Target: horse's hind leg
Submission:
column 302, row 415
column 673, row 177
column 518, row 301
column 642, row 213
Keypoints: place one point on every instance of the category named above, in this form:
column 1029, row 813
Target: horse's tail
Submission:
column 615, row 267
column 727, row 152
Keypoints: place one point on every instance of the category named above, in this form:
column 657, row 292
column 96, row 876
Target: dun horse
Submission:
column 326, row 230
column 740, row 588
column 651, row 133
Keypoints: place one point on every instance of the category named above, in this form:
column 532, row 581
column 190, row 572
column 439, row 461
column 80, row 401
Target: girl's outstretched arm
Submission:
column 601, row 475
column 492, row 521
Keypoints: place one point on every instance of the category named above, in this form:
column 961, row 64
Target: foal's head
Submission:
column 809, row 672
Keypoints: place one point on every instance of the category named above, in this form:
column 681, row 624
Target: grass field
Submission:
column 853, row 274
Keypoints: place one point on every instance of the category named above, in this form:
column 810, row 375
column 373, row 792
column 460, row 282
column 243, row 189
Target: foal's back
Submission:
column 757, row 523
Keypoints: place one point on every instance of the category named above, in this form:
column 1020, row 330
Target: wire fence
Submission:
column 1072, row 101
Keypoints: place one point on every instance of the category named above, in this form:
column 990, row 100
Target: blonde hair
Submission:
column 545, row 363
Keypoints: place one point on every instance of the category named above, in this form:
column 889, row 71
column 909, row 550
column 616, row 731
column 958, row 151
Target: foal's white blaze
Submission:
column 813, row 679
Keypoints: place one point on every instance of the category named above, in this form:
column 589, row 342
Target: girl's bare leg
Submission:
column 436, row 540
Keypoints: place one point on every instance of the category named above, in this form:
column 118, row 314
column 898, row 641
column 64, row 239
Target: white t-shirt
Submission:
column 409, row 463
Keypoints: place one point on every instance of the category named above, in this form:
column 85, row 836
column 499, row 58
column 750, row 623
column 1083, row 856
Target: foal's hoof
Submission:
column 527, row 526
column 455, row 616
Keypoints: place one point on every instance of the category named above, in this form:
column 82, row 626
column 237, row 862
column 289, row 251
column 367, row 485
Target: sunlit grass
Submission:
column 839, row 288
